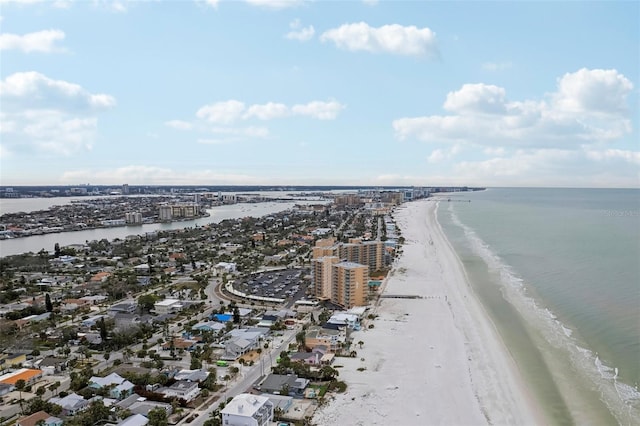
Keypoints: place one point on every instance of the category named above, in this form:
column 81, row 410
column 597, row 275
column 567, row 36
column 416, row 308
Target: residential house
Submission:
column 71, row 404
column 100, row 277
column 208, row 326
column 318, row 356
column 118, row 387
column 122, row 308
column 134, row 420
column 280, row 384
column 52, row 365
column 181, row 389
column 248, row 410
column 10, row 360
column 333, row 340
column 38, row 418
column 192, row 375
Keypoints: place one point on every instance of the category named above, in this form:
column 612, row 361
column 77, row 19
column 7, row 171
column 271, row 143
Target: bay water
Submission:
column 558, row 272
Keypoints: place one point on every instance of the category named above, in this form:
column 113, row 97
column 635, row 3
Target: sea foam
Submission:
column 622, row 400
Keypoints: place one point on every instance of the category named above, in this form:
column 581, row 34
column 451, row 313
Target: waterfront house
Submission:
column 333, row 340
column 248, row 410
column 280, row 384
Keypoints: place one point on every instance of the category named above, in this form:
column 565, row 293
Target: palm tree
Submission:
column 20, row 385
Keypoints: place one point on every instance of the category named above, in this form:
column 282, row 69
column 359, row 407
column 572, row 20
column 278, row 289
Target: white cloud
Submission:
column 591, row 91
column 395, row 39
column 521, row 164
column 267, row 111
column 223, row 118
column 476, row 98
column 319, row 110
column 60, row 4
column 41, row 41
column 497, row 151
column 228, row 112
column 118, row 6
column 222, row 112
column 589, row 106
column 298, row 32
column 212, row 3
column 439, row 155
column 614, row 154
column 42, row 114
column 496, row 66
column 275, row 4
column 251, row 131
column 179, row 124
column 35, row 90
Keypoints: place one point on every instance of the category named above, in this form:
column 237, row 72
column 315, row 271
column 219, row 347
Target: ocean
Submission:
column 558, row 272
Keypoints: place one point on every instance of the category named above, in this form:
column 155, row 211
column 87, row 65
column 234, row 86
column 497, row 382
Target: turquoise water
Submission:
column 558, row 270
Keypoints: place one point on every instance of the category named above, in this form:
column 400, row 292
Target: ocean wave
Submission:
column 622, row 399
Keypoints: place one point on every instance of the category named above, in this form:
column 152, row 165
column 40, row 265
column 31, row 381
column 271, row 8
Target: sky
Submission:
column 295, row 92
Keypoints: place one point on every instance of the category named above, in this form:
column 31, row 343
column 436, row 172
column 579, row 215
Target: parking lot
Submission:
column 286, row 284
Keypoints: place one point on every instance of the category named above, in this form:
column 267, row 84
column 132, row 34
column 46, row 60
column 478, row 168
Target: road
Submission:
column 246, row 377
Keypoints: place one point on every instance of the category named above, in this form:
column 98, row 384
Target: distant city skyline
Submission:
column 294, row 92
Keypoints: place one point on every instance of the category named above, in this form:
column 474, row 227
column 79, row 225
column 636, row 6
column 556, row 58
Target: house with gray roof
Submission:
column 279, row 383
column 71, row 404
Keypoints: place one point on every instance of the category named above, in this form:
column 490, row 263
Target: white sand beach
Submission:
column 435, row 360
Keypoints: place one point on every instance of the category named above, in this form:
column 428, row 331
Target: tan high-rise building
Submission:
column 349, row 284
column 322, row 276
column 370, row 253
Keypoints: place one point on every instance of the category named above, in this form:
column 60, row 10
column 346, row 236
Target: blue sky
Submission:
column 328, row 93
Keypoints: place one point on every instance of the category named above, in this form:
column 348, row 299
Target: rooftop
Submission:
column 23, row 374
column 245, row 405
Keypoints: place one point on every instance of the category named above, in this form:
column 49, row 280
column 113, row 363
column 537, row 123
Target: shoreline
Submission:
column 433, row 360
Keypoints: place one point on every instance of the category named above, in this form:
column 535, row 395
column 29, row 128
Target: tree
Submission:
column 236, row 315
column 56, row 249
column 20, row 385
column 47, row 303
column 40, row 391
column 146, row 302
column 360, row 343
column 158, row 417
column 102, row 326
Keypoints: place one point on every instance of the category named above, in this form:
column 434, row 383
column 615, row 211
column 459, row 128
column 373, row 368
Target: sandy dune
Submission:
column 431, row 360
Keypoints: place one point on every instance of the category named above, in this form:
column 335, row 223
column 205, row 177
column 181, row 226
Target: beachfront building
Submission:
column 349, row 284
column 370, row 253
column 325, row 338
column 248, row 410
column 322, row 276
